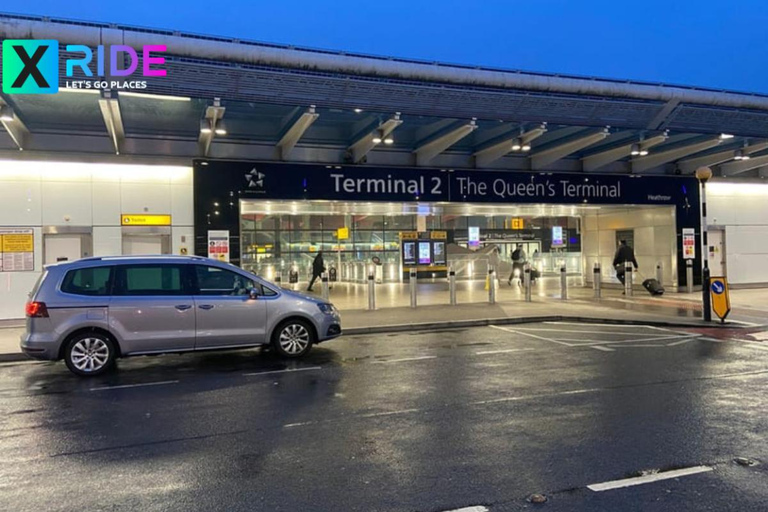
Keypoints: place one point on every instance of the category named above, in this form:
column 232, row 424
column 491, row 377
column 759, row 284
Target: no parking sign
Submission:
column 721, row 300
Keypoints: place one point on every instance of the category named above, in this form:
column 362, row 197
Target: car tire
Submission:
column 293, row 338
column 89, row 354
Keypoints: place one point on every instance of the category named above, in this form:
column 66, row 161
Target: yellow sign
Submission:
column 183, row 251
column 438, row 235
column 342, row 233
column 409, row 235
column 721, row 300
column 17, row 243
column 145, row 220
column 515, row 223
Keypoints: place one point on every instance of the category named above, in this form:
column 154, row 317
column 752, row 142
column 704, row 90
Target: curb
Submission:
column 483, row 322
column 14, row 357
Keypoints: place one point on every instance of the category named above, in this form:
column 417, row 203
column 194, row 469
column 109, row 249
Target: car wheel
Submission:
column 89, row 354
column 293, row 338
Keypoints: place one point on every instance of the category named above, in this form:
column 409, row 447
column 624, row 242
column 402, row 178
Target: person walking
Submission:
column 318, row 267
column 518, row 264
column 624, row 254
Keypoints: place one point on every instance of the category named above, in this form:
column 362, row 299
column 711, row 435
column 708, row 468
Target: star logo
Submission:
column 255, row 179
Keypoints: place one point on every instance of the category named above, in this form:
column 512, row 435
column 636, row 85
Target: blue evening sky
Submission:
column 707, row 43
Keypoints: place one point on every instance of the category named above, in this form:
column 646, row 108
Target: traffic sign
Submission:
column 721, row 300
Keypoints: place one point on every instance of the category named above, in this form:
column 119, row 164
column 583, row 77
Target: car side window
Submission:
column 94, row 282
column 218, row 281
column 150, row 279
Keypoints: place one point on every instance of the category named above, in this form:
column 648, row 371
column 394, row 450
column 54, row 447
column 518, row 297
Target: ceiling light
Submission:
column 724, row 136
column 358, row 110
column 389, row 140
column 376, row 139
column 643, row 152
column 6, row 113
column 635, row 150
column 526, row 147
column 221, row 128
column 205, row 126
column 155, row 96
column 517, row 145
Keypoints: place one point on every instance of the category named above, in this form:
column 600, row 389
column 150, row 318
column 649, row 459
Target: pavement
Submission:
column 393, row 313
column 429, row 421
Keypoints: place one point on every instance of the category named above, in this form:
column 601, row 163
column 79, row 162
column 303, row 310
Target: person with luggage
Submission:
column 318, row 267
column 624, row 254
column 518, row 264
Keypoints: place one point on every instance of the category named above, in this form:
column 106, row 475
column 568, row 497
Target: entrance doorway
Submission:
column 66, row 244
column 139, row 241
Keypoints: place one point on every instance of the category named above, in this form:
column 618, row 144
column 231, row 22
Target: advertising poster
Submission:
column 424, row 255
column 557, row 236
column 218, row 245
column 17, row 250
column 474, row 236
column 409, row 253
column 689, row 244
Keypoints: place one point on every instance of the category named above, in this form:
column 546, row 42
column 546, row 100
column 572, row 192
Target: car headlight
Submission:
column 328, row 309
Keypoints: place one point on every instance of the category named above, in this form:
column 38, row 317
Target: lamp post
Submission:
column 703, row 174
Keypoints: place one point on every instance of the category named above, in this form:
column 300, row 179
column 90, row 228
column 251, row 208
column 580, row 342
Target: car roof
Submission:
column 97, row 261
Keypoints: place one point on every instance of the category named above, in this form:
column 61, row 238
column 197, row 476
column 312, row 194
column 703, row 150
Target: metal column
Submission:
column 597, row 281
column 324, row 286
column 527, row 282
column 452, row 285
column 371, row 291
column 689, row 276
column 660, row 273
column 412, row 283
column 492, row 285
column 563, row 282
column 628, row 278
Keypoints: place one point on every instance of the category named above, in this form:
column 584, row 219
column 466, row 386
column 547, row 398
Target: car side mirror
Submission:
column 253, row 294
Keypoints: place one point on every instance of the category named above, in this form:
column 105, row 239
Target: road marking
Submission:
column 486, row 352
column 404, row 359
column 530, row 335
column 469, row 509
column 646, row 345
column 289, row 370
column 388, row 413
column 647, row 479
column 535, row 397
column 588, row 332
column 676, row 343
column 126, row 386
column 604, row 349
column 595, row 342
column 762, row 336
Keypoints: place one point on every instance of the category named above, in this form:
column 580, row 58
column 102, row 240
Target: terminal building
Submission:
column 263, row 155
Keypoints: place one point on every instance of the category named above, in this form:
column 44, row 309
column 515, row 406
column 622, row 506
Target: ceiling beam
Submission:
column 9, row 118
column 113, row 118
column 645, row 163
column 362, row 146
column 551, row 155
column 741, row 166
column 434, row 147
column 209, row 125
column 688, row 166
column 296, row 131
column 596, row 161
column 503, row 145
column 658, row 121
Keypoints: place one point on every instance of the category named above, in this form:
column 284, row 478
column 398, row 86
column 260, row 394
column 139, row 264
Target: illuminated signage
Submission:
column 145, row 220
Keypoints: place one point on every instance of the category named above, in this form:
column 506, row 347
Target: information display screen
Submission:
column 409, row 253
column 439, row 253
column 425, row 258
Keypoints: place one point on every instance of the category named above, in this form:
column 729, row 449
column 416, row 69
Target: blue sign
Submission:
column 718, row 287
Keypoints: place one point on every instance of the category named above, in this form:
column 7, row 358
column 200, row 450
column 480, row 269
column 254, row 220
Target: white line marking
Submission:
column 588, row 332
column 676, row 343
column 762, row 336
column 404, row 359
column 748, row 324
column 289, row 370
column 589, row 343
column 126, row 386
column 604, row 349
column 647, row 479
column 388, row 413
column 637, row 346
column 486, row 352
column 535, row 397
column 529, row 334
column 469, row 509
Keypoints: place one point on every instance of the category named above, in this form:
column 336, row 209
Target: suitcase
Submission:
column 653, row 287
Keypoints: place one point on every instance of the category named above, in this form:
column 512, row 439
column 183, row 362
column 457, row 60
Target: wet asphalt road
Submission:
column 409, row 422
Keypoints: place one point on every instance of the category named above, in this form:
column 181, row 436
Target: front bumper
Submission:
column 330, row 327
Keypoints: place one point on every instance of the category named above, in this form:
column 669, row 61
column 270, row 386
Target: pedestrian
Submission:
column 518, row 263
column 624, row 254
column 495, row 262
column 318, row 267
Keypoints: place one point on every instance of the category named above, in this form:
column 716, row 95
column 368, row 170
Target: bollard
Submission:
column 491, row 285
column 659, row 273
column 452, row 285
column 324, row 286
column 563, row 282
column 597, row 283
column 412, row 282
column 689, row 276
column 527, row 282
column 628, row 278
column 371, row 292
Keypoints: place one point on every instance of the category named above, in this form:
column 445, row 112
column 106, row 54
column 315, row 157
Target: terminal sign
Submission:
column 145, row 220
column 721, row 300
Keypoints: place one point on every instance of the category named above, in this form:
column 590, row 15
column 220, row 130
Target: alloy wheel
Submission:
column 90, row 354
column 294, row 339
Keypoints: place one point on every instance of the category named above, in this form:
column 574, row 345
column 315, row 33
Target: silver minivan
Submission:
column 92, row 311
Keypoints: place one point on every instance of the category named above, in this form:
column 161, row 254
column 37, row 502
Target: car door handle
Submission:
column 183, row 307
column 206, row 306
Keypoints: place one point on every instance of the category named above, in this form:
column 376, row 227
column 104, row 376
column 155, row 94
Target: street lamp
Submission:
column 703, row 174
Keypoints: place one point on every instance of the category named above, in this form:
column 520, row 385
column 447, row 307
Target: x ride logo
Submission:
column 30, row 66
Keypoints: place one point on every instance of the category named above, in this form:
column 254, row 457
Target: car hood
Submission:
column 304, row 296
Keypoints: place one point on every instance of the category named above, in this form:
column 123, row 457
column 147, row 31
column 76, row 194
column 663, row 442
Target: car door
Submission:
column 226, row 314
column 152, row 308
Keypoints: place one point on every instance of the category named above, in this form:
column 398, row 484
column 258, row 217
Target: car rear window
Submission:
column 38, row 283
column 93, row 281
